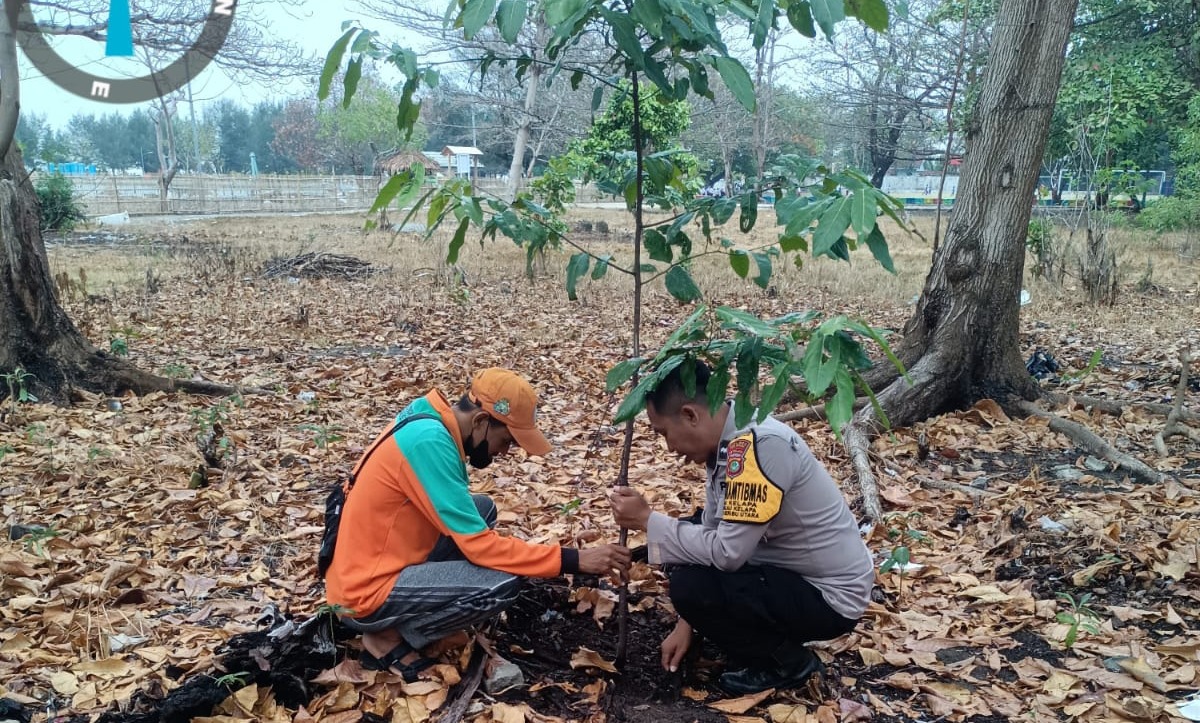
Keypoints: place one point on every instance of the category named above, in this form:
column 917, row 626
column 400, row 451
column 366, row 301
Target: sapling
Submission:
column 1079, row 615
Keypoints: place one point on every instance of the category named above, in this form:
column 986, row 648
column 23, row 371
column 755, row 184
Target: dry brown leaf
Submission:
column 1183, row 675
column 954, row 692
column 1138, row 668
column 852, row 710
column 16, row 643
column 742, row 704
column 347, row 671
column 586, row 658
column 1176, row 567
column 409, row 710
column 106, row 668
column 64, row 682
column 505, row 713
column 788, row 713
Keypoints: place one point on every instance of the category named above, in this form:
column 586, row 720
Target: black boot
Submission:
column 757, row 679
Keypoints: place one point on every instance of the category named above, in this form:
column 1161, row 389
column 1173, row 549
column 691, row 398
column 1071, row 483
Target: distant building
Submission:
column 393, row 162
column 462, row 160
column 72, row 168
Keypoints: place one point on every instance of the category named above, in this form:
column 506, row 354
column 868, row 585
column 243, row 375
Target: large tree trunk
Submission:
column 962, row 343
column 35, row 333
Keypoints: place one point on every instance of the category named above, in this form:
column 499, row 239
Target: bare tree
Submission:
column 891, row 90
column 525, row 108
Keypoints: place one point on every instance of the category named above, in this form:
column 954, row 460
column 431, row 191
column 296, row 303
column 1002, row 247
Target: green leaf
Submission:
column 772, row 395
column 879, row 249
column 737, row 80
column 636, row 401
column 456, row 243
column 827, row 13
column 723, row 209
column 333, row 61
column 764, row 21
column 649, row 14
column 739, row 260
column 873, row 13
column 764, row 269
column 680, row 285
column 404, row 185
column 622, row 373
column 863, row 211
column 350, row 81
column 576, row 268
column 831, row 226
column 510, row 17
column 800, row 16
column 601, row 267
column 597, row 97
column 749, row 215
column 744, row 321
column 657, row 246
column 840, row 409
column 625, row 33
column 475, row 15
column 718, row 385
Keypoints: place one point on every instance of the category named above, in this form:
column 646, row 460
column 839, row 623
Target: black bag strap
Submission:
column 391, row 433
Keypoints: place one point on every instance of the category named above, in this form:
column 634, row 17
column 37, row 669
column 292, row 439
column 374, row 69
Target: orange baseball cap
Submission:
column 511, row 400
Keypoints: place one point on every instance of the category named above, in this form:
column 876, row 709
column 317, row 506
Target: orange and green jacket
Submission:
column 409, row 493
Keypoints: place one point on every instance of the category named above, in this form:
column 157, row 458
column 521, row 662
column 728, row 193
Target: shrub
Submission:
column 57, row 207
column 1173, row 213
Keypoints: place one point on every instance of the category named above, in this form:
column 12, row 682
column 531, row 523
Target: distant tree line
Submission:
column 284, row 136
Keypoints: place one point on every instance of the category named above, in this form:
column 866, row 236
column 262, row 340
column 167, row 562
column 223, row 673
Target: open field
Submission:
column 151, row 560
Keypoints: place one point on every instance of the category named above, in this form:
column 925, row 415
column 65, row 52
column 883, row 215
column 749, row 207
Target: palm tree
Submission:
column 120, row 30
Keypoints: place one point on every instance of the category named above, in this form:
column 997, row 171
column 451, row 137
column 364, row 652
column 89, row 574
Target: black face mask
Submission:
column 478, row 454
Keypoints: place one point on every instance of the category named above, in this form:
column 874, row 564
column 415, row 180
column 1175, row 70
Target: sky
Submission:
column 315, row 27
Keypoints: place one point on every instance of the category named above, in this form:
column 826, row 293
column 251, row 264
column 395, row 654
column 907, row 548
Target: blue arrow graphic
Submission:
column 120, row 30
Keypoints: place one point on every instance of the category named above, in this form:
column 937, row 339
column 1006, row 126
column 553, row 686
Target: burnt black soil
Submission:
column 286, row 666
column 543, row 621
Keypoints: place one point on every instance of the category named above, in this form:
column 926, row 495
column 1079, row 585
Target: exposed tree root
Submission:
column 1091, row 442
column 857, row 437
column 1116, row 407
column 1174, row 426
column 106, row 374
column 817, row 412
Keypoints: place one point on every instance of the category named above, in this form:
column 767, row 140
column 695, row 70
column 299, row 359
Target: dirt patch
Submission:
column 543, row 624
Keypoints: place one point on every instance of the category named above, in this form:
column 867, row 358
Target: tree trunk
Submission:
column 35, row 333
column 522, row 139
column 962, row 342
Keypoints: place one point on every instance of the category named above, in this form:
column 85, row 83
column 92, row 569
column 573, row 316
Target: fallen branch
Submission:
column 1173, row 426
column 940, row 484
column 1117, row 407
column 1091, row 442
column 474, row 676
column 857, row 439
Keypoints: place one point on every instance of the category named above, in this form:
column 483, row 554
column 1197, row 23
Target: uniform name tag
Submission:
column 749, row 495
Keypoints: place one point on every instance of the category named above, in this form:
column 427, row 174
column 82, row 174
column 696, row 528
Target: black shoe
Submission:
column 756, row 679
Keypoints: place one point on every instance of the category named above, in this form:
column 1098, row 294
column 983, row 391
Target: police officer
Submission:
column 776, row 559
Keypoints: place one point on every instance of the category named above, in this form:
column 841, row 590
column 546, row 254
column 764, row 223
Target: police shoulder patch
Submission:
column 749, row 495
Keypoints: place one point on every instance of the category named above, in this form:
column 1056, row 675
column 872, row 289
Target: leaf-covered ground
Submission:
column 134, row 560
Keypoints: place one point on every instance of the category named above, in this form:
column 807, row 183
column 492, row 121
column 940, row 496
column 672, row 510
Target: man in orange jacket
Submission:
column 417, row 558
